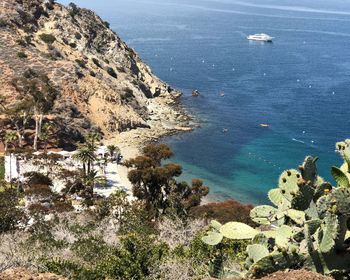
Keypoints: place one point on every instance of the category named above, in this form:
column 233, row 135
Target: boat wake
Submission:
column 299, row 141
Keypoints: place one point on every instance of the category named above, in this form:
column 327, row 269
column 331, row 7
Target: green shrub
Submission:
column 2, row 168
column 50, row 56
column 36, row 178
column 137, row 257
column 47, row 38
column 91, row 249
column 73, row 9
column 72, row 270
column 10, row 214
column 81, row 63
column 21, row 42
column 106, row 23
column 226, row 211
column 96, row 62
column 78, row 36
column 127, row 94
column 21, row 55
column 62, row 206
column 137, row 219
column 73, row 45
column 28, row 39
column 111, row 72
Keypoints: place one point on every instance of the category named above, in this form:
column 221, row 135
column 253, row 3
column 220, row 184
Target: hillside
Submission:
column 100, row 81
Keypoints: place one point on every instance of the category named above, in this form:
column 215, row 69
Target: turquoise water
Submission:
column 299, row 84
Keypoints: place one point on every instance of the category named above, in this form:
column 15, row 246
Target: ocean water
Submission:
column 299, row 84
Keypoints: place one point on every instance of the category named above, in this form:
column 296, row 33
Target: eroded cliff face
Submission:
column 100, row 80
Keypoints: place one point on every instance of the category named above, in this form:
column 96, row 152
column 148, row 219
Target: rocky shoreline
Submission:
column 169, row 118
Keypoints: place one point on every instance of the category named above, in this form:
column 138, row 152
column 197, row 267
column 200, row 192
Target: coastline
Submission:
column 168, row 118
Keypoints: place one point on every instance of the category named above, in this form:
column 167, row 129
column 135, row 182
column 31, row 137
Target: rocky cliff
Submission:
column 101, row 82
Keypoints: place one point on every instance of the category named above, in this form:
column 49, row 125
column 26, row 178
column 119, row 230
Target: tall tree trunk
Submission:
column 19, row 132
column 89, row 167
column 36, row 136
column 40, row 122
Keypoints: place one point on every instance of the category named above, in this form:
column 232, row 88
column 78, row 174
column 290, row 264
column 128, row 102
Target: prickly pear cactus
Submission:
column 309, row 169
column 308, row 223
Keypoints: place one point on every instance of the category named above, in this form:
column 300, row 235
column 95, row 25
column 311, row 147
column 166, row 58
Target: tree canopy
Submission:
column 155, row 182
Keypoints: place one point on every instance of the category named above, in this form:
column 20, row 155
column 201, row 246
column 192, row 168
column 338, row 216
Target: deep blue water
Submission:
column 299, row 84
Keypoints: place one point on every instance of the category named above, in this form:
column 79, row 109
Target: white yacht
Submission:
column 260, row 37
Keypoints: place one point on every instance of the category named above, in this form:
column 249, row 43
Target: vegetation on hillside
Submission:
column 114, row 237
column 164, row 233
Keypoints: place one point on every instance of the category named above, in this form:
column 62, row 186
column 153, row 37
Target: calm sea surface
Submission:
column 299, row 84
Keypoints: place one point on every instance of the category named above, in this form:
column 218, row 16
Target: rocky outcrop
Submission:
column 25, row 274
column 100, row 80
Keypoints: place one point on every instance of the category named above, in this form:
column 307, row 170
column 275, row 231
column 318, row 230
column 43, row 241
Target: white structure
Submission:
column 16, row 167
column 11, row 168
column 260, row 37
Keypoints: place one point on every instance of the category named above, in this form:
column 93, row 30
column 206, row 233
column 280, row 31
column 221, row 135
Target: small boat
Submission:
column 195, row 93
column 260, row 37
column 264, row 125
column 222, row 94
column 224, row 130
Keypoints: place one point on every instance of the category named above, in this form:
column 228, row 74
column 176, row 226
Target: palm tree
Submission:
column 86, row 155
column 92, row 138
column 113, row 150
column 92, row 179
column 10, row 138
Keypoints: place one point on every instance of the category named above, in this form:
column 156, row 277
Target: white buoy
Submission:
column 310, row 86
column 303, row 131
column 298, row 80
column 312, row 141
column 333, row 92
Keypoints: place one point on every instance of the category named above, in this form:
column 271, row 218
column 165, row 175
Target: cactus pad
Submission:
column 321, row 190
column 297, row 216
column 212, row 238
column 303, row 197
column 215, row 225
column 263, row 214
column 284, row 235
column 338, row 201
column 309, row 169
column 330, row 232
column 274, row 262
column 340, row 177
column 238, row 231
column 288, row 180
column 276, row 196
column 257, row 252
